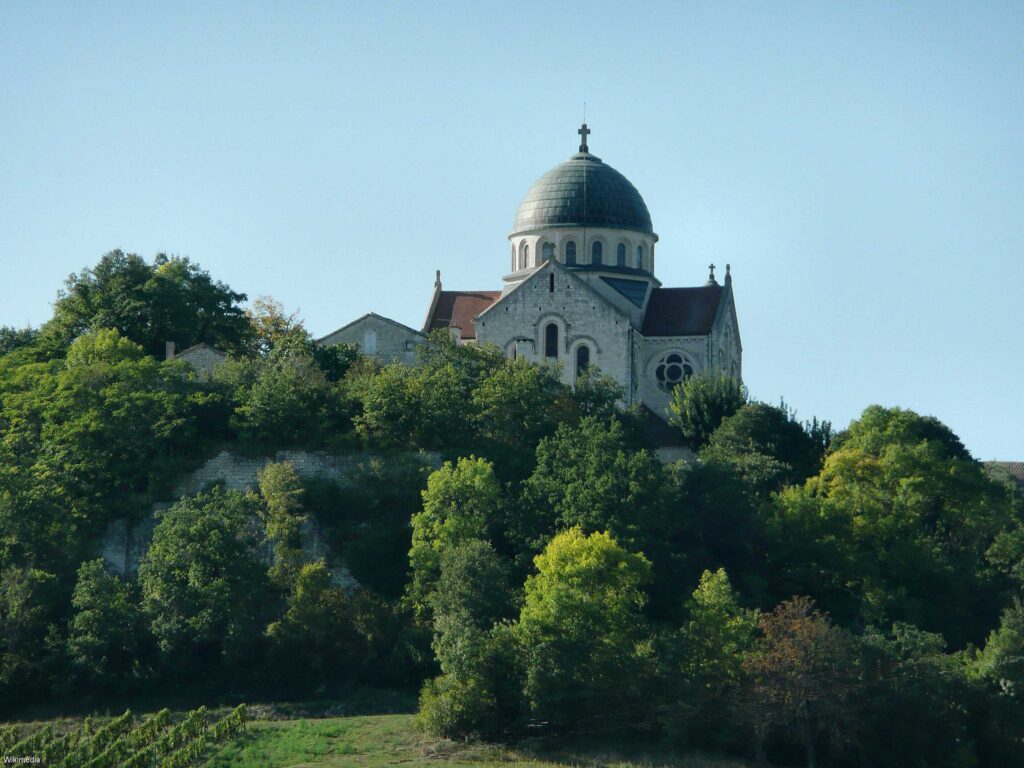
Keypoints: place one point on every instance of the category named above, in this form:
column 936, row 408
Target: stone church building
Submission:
column 580, row 290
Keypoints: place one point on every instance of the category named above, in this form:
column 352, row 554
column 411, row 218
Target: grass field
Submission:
column 370, row 741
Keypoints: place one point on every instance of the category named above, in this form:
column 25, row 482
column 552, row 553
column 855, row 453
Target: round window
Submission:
column 672, row 370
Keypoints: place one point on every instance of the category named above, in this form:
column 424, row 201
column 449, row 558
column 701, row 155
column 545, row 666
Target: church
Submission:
column 580, row 290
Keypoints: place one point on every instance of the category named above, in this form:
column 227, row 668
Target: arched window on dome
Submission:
column 620, row 255
column 524, row 251
column 640, row 257
column 570, row 252
column 582, row 359
column 596, row 252
column 551, row 341
column 526, row 258
column 548, row 251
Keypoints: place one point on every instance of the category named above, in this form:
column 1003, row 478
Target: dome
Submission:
column 583, row 192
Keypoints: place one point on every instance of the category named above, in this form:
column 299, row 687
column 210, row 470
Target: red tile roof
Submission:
column 681, row 311
column 456, row 309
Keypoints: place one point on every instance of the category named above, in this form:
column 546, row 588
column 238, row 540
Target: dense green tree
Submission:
column 171, row 299
column 107, row 635
column 202, row 580
column 14, row 338
column 460, row 502
column 515, row 407
column 283, row 517
column 30, row 609
column 587, row 475
column 92, row 437
column 479, row 690
column 716, row 637
column 701, row 671
column 581, row 632
column 896, row 527
column 291, row 400
column 921, row 707
column 316, row 639
column 766, row 446
column 1001, row 661
column 701, row 402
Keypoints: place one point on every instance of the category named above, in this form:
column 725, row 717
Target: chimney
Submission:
column 168, row 350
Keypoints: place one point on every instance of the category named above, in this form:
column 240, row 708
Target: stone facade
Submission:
column 379, row 337
column 553, row 294
column 203, row 358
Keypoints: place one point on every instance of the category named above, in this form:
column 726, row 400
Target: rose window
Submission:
column 672, row 370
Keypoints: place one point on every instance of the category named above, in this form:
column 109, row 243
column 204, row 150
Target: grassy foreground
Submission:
column 385, row 740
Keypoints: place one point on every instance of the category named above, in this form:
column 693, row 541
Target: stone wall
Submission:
column 124, row 543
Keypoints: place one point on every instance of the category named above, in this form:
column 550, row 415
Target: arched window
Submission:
column 672, row 370
column 582, row 359
column 596, row 251
column 551, row 283
column 548, row 251
column 570, row 252
column 523, row 249
column 526, row 258
column 639, row 257
column 620, row 255
column 551, row 341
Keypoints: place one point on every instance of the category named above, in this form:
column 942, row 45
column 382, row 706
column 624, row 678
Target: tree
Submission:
column 803, row 677
column 283, row 517
column 896, row 527
column 30, row 602
column 701, row 402
column 459, row 503
column 315, row 639
column 704, row 663
column 171, row 299
column 581, row 630
column 13, row 338
column 107, row 636
column 515, row 407
column 717, row 636
column 587, row 475
column 202, row 580
column 479, row 690
column 271, row 324
column 766, row 446
column 1001, row 661
column 291, row 402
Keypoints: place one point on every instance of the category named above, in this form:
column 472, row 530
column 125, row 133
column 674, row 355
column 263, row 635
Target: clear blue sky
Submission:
column 860, row 165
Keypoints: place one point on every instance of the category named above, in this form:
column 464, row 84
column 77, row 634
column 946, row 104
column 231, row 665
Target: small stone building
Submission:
column 202, row 357
column 379, row 337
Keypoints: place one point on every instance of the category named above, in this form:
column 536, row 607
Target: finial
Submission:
column 728, row 275
column 583, row 132
column 437, row 279
column 711, row 277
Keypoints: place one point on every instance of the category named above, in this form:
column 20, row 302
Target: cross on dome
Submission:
column 583, row 132
column 711, row 277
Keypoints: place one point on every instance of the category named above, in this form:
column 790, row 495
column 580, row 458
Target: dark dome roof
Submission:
column 560, row 198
